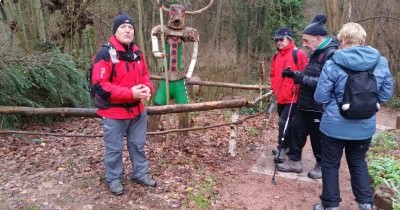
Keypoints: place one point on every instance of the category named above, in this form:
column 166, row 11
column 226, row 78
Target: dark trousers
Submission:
column 355, row 151
column 283, row 112
column 305, row 123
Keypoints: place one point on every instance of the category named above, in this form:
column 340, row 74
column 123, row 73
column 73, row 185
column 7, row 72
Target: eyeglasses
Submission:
column 278, row 40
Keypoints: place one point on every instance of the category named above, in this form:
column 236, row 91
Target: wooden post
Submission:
column 234, row 131
column 160, row 2
column 398, row 122
column 261, row 80
column 163, row 40
column 268, row 112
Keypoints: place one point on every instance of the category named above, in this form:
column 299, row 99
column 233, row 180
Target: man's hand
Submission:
column 288, row 73
column 141, row 92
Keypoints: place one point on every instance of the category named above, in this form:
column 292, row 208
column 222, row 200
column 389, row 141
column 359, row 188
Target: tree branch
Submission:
column 375, row 17
column 148, row 133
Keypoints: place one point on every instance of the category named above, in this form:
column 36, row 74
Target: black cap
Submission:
column 121, row 19
column 317, row 26
column 282, row 33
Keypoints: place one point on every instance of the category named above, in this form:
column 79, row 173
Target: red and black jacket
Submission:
column 283, row 87
column 131, row 70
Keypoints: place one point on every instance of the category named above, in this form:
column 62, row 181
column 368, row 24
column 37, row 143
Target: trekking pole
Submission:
column 284, row 132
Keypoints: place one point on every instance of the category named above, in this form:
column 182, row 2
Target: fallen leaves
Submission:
column 73, row 167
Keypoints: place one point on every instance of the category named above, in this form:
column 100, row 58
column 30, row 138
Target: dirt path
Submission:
column 44, row 172
column 251, row 187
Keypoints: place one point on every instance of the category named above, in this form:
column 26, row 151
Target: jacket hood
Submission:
column 358, row 58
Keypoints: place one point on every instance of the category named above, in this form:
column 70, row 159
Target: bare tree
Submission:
column 38, row 18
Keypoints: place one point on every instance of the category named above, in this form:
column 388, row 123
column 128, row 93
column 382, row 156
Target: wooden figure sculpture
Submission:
column 172, row 36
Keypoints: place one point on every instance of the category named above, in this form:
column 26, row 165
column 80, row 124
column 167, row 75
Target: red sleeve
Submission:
column 302, row 60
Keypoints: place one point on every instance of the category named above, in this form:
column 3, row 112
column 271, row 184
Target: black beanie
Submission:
column 282, row 33
column 121, row 19
column 317, row 26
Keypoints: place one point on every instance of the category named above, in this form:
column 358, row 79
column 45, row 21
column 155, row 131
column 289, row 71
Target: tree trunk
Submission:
column 215, row 30
column 139, row 4
column 18, row 18
column 37, row 9
column 6, row 24
column 333, row 15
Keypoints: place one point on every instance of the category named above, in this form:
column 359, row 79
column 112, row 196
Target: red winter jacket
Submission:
column 127, row 74
column 283, row 87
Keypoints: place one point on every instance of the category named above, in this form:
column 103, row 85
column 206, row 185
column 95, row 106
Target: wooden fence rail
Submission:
column 151, row 110
column 219, row 84
column 233, row 104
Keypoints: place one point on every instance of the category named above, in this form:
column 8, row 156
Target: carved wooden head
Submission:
column 177, row 15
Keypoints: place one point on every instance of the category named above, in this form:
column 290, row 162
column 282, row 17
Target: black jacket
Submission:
column 308, row 78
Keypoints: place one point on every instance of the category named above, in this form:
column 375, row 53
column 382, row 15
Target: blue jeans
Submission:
column 114, row 132
column 355, row 151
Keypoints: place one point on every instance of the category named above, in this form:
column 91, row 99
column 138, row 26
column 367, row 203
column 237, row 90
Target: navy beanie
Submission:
column 317, row 26
column 121, row 19
column 282, row 33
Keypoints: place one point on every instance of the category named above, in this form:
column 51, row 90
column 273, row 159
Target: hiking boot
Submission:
column 290, row 166
column 365, row 206
column 316, row 172
column 321, row 207
column 145, row 180
column 116, row 187
column 282, row 155
column 275, row 151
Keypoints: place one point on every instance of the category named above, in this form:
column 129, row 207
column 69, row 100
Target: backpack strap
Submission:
column 114, row 58
column 294, row 54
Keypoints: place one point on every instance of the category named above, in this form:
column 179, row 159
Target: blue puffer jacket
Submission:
column 331, row 84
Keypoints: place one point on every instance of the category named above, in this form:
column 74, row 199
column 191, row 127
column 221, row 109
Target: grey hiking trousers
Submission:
column 114, row 131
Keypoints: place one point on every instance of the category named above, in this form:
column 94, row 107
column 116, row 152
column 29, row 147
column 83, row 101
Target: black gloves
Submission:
column 288, row 73
column 295, row 75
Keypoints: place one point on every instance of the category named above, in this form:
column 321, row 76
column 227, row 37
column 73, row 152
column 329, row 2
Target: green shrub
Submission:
column 394, row 102
column 203, row 195
column 383, row 142
column 384, row 164
column 41, row 79
column 384, row 168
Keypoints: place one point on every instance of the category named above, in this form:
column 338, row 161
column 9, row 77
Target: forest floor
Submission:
column 193, row 172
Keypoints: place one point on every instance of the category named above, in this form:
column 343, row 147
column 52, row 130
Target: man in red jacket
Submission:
column 285, row 91
column 120, row 76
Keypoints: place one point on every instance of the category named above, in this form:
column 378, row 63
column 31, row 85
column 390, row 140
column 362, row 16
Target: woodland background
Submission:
column 46, row 45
